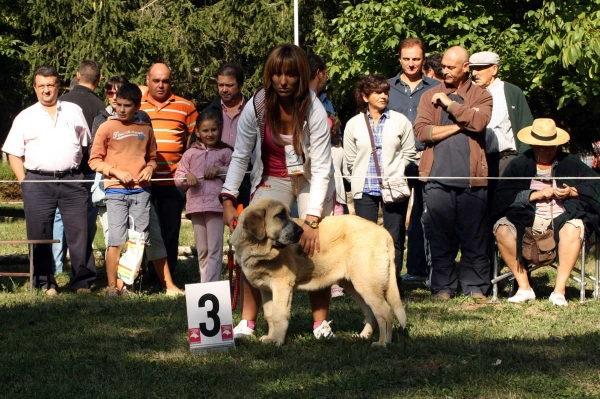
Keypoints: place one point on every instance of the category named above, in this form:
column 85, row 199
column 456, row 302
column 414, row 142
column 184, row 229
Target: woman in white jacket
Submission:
column 284, row 113
column 395, row 149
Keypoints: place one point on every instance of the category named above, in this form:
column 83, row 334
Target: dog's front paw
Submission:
column 265, row 339
column 367, row 332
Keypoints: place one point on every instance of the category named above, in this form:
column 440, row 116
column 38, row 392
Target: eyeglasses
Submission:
column 110, row 93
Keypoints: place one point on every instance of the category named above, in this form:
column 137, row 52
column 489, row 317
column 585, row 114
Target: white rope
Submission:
column 335, row 176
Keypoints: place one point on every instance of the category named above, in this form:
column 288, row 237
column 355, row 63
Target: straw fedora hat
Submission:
column 543, row 132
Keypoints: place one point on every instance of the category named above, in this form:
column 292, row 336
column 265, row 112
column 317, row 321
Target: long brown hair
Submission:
column 291, row 60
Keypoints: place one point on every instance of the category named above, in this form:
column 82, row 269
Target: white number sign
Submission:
column 210, row 323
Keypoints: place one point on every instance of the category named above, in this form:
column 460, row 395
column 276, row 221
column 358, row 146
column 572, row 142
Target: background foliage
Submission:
column 548, row 48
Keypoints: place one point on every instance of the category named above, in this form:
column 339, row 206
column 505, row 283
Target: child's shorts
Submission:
column 119, row 207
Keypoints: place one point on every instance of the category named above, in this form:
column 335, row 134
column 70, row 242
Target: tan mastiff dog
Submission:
column 355, row 253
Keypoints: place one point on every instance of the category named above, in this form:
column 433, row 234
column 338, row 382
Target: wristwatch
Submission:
column 312, row 225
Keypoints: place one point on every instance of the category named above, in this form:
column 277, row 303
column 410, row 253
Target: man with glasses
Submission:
column 173, row 120
column 49, row 139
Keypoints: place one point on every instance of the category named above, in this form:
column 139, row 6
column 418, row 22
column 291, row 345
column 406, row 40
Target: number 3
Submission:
column 211, row 314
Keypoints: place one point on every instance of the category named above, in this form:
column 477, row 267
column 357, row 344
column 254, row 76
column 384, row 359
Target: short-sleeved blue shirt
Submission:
column 405, row 101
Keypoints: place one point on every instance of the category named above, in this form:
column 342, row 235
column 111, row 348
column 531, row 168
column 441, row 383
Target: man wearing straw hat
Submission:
column 555, row 196
column 451, row 121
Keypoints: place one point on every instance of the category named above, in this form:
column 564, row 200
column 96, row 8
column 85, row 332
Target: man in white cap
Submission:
column 510, row 114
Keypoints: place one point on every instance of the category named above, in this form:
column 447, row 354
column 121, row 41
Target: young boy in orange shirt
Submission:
column 124, row 151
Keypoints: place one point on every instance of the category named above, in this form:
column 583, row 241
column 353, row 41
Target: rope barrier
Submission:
column 337, row 176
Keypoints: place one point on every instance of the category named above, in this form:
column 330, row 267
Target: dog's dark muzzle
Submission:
column 290, row 234
column 297, row 233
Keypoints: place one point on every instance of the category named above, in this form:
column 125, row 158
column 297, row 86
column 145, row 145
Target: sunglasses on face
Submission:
column 110, row 93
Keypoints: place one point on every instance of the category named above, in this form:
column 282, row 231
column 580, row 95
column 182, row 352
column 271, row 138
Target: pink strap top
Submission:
column 273, row 155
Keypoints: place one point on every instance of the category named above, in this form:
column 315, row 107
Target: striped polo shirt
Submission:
column 172, row 121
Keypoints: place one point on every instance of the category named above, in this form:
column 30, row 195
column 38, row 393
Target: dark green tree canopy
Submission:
column 548, row 48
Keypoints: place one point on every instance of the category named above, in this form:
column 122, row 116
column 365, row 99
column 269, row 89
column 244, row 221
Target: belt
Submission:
column 58, row 173
column 508, row 152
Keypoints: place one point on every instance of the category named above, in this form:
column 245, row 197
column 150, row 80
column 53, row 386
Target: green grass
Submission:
column 16, row 231
column 8, row 191
column 84, row 346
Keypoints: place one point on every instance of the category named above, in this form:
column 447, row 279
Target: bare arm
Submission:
column 439, row 133
column 16, row 164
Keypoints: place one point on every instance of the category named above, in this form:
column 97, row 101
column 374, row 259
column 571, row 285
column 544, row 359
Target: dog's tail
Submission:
column 392, row 294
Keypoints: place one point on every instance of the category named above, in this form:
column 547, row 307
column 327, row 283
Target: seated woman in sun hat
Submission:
column 556, row 191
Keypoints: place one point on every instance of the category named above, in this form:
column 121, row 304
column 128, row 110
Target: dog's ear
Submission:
column 254, row 223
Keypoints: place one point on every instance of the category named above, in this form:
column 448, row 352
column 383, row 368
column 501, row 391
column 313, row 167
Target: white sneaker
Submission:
column 324, row 330
column 522, row 296
column 242, row 330
column 336, row 291
column 558, row 299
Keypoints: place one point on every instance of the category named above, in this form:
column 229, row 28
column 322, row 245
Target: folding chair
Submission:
column 579, row 275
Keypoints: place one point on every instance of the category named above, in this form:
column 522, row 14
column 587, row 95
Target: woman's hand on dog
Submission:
column 230, row 214
column 310, row 240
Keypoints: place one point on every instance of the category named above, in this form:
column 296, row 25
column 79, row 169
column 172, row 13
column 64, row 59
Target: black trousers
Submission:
column 457, row 218
column 40, row 202
column 394, row 219
column 416, row 264
column 497, row 163
column 168, row 203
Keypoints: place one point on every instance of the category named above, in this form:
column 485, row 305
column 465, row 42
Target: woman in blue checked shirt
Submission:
column 395, row 149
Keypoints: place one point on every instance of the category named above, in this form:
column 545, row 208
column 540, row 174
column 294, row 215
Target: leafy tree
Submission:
column 569, row 32
column 364, row 38
column 548, row 48
column 13, row 33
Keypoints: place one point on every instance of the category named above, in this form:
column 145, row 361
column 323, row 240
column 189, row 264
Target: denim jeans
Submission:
column 59, row 250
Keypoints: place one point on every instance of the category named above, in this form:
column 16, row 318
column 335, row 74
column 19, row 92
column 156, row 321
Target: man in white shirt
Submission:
column 510, row 114
column 48, row 139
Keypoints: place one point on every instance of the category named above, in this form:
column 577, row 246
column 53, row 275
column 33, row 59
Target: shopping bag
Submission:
column 98, row 194
column 131, row 260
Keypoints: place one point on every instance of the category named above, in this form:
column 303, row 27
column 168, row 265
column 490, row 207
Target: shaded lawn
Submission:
column 85, row 346
column 16, row 231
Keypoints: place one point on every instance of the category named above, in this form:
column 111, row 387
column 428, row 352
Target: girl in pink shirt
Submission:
column 204, row 166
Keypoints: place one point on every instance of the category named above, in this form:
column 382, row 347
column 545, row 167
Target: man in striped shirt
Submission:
column 173, row 121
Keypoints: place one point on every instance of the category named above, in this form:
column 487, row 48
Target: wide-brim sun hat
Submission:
column 543, row 132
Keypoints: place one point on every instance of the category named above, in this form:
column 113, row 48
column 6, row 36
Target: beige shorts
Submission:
column 288, row 190
column 539, row 225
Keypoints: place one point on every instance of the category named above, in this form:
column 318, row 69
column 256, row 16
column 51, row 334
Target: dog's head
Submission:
column 267, row 222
